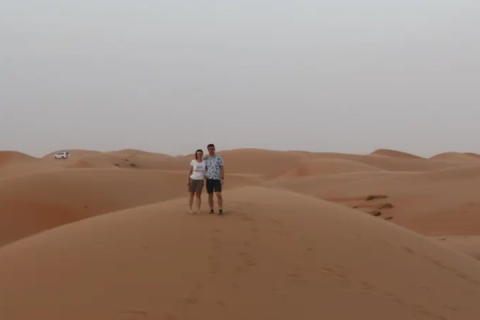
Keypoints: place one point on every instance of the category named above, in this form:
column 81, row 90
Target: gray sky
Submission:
column 171, row 76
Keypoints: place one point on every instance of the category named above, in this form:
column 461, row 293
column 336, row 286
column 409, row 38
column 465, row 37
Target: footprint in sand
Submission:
column 334, row 274
column 250, row 263
column 134, row 315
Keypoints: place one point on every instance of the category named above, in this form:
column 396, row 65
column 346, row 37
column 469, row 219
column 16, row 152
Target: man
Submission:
column 214, row 178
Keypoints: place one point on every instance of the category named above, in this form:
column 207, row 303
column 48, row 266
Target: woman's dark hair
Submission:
column 198, row 150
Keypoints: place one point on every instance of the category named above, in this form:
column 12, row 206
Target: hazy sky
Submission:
column 171, row 76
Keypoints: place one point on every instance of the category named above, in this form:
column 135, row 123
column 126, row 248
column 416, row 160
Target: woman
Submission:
column 196, row 178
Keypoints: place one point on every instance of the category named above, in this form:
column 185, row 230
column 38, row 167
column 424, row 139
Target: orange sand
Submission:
column 387, row 235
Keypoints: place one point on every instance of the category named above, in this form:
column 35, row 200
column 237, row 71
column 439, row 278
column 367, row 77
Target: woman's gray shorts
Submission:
column 195, row 185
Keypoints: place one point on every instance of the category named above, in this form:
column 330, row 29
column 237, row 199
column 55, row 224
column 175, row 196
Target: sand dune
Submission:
column 239, row 161
column 16, row 163
column 73, row 153
column 390, row 163
column 40, row 201
column 304, row 231
column 257, row 161
column 135, row 152
column 443, row 202
column 431, row 197
column 14, row 157
column 12, row 162
column 278, row 255
column 96, row 160
column 401, row 164
column 395, row 154
column 125, row 160
column 456, row 157
column 472, row 154
column 121, row 159
column 272, row 163
column 19, row 164
column 316, row 167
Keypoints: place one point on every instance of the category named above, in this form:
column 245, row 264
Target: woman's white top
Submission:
column 199, row 168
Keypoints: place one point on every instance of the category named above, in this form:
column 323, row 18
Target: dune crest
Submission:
column 14, row 163
column 387, row 163
column 14, row 157
column 269, row 258
column 395, row 154
column 136, row 152
column 456, row 157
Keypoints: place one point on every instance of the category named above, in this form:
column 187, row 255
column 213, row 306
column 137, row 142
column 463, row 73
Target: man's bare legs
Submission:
column 210, row 201
column 219, row 200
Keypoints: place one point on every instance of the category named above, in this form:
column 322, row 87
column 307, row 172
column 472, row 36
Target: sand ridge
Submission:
column 275, row 248
column 395, row 154
column 14, row 163
column 456, row 157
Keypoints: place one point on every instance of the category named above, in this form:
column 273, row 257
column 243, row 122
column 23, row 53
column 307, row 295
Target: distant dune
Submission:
column 276, row 256
column 395, row 154
column 73, row 152
column 13, row 163
column 135, row 152
column 389, row 163
column 258, row 161
column 325, row 166
column 474, row 155
column 456, row 156
column 127, row 158
column 124, row 160
column 14, row 157
column 432, row 203
column 96, row 160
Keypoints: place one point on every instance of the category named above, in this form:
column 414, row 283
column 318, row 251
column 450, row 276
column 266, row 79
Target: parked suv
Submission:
column 61, row 155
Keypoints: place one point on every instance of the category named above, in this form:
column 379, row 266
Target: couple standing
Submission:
column 208, row 170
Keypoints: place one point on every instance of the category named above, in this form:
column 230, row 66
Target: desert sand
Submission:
column 107, row 235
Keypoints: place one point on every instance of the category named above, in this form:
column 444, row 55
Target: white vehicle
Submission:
column 61, row 155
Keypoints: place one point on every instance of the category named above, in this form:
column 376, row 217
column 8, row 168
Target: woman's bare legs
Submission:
column 199, row 201
column 192, row 194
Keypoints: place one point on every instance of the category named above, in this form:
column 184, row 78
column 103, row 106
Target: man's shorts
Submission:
column 214, row 185
column 195, row 185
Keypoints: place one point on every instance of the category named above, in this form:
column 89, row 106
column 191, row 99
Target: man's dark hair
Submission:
column 211, row 145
